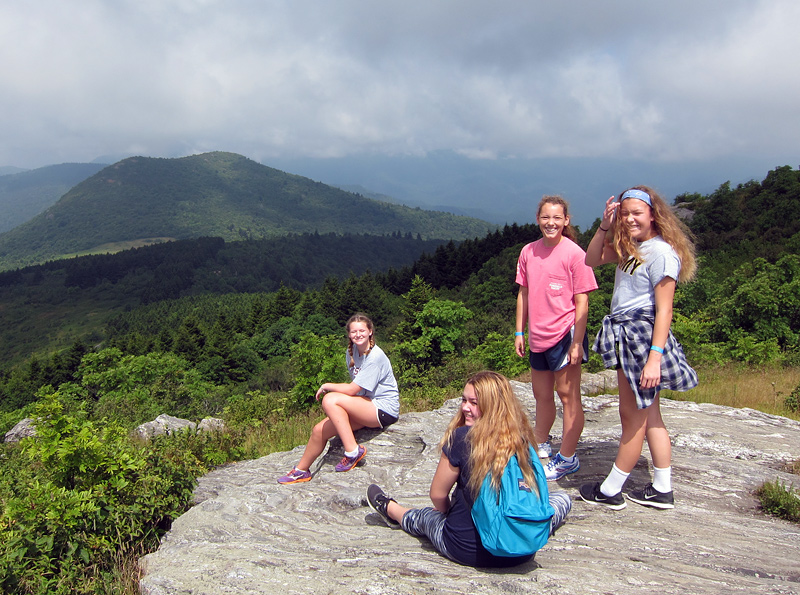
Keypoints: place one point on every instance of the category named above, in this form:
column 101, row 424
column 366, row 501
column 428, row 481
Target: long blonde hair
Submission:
column 359, row 317
column 667, row 225
column 502, row 430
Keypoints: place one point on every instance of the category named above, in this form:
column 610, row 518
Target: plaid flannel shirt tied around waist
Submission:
column 633, row 332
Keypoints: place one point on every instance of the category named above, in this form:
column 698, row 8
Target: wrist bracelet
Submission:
column 601, row 229
column 657, row 349
column 519, row 334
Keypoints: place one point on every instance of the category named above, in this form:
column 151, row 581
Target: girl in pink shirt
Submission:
column 553, row 301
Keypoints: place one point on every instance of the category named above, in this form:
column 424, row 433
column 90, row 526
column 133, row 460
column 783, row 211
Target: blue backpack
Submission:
column 516, row 520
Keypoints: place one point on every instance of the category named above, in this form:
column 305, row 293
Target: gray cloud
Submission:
column 626, row 80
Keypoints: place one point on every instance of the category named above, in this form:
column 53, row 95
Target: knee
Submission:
column 330, row 401
column 318, row 431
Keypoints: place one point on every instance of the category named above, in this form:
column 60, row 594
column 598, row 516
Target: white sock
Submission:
column 614, row 482
column 662, row 479
column 567, row 459
column 351, row 454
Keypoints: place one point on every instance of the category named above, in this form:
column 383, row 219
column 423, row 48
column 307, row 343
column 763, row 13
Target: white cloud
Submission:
column 512, row 78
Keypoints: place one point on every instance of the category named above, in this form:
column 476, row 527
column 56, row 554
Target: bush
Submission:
column 315, row 361
column 497, row 353
column 79, row 495
column 792, row 402
column 780, row 500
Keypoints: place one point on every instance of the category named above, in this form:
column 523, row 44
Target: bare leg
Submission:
column 346, row 414
column 634, row 426
column 568, row 385
column 658, row 437
column 542, row 383
column 395, row 511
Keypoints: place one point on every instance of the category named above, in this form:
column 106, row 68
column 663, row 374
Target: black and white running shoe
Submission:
column 379, row 502
column 590, row 492
column 649, row 496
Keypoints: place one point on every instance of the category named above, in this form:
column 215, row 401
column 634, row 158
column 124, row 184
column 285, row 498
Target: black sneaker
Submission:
column 379, row 502
column 649, row 496
column 590, row 492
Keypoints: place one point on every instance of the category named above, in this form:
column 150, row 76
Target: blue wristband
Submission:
column 657, row 349
column 519, row 334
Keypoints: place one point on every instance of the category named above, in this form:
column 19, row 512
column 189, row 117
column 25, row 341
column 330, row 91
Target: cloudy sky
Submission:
column 664, row 82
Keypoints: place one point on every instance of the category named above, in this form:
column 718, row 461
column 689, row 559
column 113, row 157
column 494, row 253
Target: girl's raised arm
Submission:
column 599, row 252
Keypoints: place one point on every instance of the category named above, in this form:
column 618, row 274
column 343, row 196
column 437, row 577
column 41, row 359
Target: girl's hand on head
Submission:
column 609, row 212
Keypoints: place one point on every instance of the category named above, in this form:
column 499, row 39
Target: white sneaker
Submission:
column 544, row 450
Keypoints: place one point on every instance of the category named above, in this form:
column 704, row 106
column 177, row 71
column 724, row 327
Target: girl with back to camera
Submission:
column 652, row 251
column 553, row 300
column 370, row 400
column 488, row 428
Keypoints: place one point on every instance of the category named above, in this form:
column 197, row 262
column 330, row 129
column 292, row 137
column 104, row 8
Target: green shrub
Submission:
column 316, row 360
column 79, row 495
column 792, row 402
column 252, row 408
column 497, row 353
column 780, row 500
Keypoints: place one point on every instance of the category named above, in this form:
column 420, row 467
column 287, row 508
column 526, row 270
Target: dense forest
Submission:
column 208, row 336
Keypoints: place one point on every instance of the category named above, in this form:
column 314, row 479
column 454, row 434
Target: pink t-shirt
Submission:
column 553, row 276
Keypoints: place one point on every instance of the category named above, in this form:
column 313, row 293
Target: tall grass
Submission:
column 764, row 389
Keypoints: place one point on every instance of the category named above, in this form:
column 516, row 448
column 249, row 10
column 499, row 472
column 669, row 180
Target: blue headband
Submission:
column 636, row 194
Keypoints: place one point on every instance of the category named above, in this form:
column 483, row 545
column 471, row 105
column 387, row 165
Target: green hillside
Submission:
column 214, row 194
column 25, row 194
column 46, row 307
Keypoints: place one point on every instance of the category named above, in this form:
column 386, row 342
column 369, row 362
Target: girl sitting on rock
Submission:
column 370, row 400
column 488, row 428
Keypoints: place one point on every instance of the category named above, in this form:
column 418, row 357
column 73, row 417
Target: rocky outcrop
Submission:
column 23, row 429
column 247, row 534
column 163, row 424
column 167, row 424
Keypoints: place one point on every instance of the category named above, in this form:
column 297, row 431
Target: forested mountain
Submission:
column 23, row 195
column 46, row 307
column 216, row 194
column 756, row 219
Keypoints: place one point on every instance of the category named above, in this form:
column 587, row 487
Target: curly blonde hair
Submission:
column 502, row 430
column 667, row 225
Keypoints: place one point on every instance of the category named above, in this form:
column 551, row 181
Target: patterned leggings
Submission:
column 429, row 522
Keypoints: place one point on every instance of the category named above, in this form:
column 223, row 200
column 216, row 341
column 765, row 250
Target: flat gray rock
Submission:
column 248, row 534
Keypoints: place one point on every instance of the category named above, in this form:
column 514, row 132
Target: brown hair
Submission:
column 569, row 231
column 667, row 225
column 502, row 430
column 359, row 317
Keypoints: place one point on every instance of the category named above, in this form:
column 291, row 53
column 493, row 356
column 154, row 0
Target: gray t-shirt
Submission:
column 374, row 374
column 635, row 280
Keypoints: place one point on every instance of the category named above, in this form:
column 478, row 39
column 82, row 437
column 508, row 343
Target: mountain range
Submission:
column 143, row 200
column 26, row 193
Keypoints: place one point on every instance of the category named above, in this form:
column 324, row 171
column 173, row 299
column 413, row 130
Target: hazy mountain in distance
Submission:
column 142, row 199
column 25, row 194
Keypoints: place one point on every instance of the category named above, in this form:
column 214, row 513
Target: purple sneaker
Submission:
column 348, row 463
column 295, row 476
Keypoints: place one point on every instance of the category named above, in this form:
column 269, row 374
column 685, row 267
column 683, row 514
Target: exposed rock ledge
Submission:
column 247, row 534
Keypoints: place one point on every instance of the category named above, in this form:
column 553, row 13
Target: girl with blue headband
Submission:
column 652, row 250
